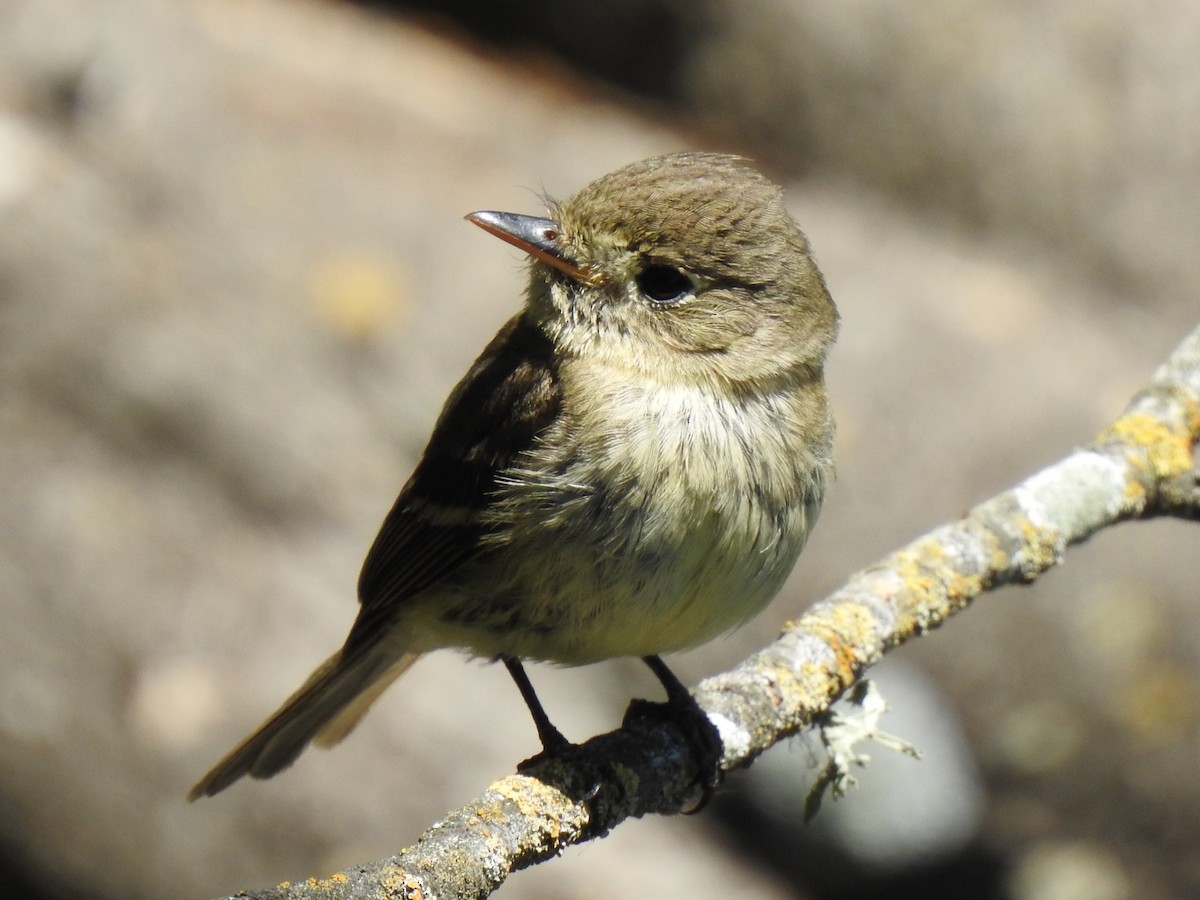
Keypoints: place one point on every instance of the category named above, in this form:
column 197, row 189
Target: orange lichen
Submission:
column 1151, row 443
column 1039, row 547
column 844, row 628
column 401, row 884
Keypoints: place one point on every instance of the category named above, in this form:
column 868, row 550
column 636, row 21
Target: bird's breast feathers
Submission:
column 649, row 518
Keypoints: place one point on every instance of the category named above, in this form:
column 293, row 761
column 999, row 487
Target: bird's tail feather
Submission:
column 323, row 711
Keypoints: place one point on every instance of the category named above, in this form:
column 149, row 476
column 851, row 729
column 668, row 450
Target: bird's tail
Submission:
column 323, row 711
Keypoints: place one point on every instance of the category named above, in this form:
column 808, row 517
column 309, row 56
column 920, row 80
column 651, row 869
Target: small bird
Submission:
column 630, row 468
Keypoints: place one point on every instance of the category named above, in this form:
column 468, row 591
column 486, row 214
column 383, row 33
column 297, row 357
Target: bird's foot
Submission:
column 554, row 745
column 701, row 735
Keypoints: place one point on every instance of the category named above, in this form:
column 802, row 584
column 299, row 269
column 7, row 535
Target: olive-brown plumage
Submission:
column 630, row 468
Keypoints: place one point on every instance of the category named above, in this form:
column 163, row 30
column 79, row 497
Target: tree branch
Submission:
column 1140, row 466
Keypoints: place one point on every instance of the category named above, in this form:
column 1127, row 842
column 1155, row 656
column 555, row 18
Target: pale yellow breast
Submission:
column 653, row 519
column 680, row 512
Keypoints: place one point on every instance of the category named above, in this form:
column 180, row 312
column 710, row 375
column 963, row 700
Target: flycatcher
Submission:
column 630, row 468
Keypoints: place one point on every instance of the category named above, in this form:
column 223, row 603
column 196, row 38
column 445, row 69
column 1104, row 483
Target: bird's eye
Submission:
column 663, row 284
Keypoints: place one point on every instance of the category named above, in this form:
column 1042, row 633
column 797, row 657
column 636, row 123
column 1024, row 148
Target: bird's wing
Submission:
column 510, row 396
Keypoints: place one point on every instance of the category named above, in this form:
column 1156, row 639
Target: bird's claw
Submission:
column 698, row 730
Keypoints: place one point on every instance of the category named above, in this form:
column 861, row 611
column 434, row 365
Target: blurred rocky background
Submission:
column 235, row 286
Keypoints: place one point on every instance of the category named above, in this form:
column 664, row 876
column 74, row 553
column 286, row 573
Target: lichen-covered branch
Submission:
column 1142, row 465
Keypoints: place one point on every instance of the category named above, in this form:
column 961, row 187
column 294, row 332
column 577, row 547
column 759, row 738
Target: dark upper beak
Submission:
column 537, row 237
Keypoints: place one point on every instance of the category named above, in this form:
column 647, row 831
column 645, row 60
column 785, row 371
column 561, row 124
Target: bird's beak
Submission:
column 540, row 238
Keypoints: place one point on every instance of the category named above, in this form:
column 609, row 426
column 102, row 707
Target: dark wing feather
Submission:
column 510, row 396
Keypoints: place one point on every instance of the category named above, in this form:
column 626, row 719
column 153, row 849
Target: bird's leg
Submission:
column 677, row 692
column 552, row 739
column 696, row 726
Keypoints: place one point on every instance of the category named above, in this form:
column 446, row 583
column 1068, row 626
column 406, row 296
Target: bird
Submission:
column 630, row 468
